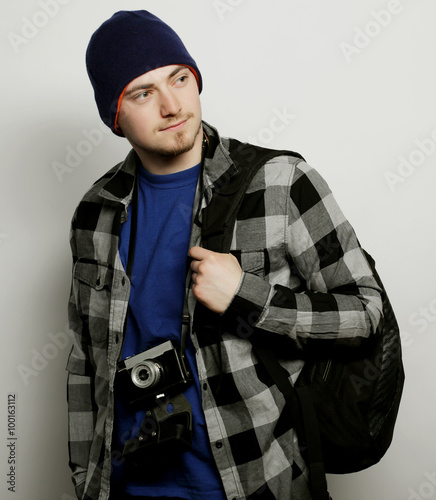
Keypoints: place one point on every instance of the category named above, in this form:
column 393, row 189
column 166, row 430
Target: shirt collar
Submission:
column 217, row 167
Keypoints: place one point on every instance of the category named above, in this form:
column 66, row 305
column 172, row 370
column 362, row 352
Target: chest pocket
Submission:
column 93, row 273
column 253, row 261
column 93, row 282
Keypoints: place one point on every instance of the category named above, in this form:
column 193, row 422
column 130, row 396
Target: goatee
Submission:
column 182, row 145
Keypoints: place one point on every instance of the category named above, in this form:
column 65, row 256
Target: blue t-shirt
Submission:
column 156, row 306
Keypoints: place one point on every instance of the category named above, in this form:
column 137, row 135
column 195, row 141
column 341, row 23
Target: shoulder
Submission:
column 89, row 208
column 252, row 154
column 92, row 194
column 110, row 193
column 273, row 167
column 291, row 169
column 115, row 185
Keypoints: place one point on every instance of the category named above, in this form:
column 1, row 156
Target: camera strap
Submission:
column 133, row 227
column 132, row 240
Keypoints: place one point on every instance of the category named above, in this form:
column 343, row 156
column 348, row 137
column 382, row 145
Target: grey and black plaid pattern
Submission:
column 305, row 279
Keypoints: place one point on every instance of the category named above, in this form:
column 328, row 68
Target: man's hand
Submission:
column 215, row 277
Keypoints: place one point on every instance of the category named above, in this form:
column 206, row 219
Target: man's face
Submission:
column 160, row 112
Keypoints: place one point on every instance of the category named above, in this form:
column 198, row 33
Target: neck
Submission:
column 162, row 165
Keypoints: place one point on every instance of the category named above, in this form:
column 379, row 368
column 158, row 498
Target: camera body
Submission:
column 152, row 372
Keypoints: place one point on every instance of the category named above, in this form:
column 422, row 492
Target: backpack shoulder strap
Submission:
column 220, row 214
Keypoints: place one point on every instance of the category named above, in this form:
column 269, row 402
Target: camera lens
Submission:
column 146, row 374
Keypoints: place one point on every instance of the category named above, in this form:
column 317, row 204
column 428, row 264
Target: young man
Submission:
column 141, row 278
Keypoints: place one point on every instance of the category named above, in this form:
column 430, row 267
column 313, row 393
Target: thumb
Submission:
column 199, row 253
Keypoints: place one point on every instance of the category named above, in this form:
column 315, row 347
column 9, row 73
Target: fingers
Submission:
column 197, row 268
column 195, row 264
column 194, row 277
column 199, row 253
column 215, row 277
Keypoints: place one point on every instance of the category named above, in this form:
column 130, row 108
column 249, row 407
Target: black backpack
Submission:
column 344, row 410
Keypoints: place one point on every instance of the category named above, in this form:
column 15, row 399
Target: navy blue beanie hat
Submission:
column 126, row 46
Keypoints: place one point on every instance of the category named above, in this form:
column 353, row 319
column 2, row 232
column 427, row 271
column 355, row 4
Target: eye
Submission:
column 182, row 79
column 142, row 95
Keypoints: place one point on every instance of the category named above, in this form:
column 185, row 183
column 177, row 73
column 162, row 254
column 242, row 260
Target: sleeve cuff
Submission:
column 248, row 304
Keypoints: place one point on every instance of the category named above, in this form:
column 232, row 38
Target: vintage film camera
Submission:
column 149, row 373
column 154, row 380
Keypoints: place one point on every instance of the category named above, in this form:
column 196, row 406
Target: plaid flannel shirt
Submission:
column 306, row 282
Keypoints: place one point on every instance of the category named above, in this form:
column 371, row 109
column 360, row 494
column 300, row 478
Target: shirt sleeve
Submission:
column 81, row 405
column 338, row 299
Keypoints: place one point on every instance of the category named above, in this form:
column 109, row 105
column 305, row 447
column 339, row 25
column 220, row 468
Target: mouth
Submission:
column 174, row 127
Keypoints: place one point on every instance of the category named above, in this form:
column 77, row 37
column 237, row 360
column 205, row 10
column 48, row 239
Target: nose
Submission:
column 169, row 105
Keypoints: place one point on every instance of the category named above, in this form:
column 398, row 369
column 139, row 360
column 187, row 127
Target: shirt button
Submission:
column 205, row 387
column 219, row 444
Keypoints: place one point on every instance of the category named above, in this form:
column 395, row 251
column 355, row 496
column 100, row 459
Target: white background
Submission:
column 357, row 83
